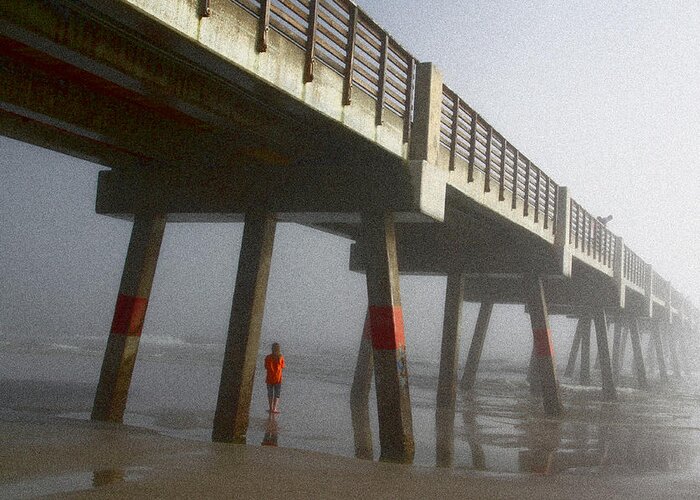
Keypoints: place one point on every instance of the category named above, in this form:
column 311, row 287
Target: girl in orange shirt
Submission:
column 274, row 363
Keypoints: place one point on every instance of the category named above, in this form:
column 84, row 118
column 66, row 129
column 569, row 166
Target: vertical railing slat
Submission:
column 381, row 90
column 487, row 178
column 526, row 203
column 546, row 202
column 350, row 56
column 453, row 133
column 311, row 42
column 263, row 25
column 472, row 147
column 502, row 177
column 556, row 207
column 514, row 198
column 537, row 196
column 408, row 112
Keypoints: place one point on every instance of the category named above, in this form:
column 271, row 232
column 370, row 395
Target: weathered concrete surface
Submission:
column 543, row 353
column 575, row 346
column 476, row 347
column 359, row 395
column 638, row 358
column 129, row 316
column 108, row 82
column 242, row 342
column 153, row 87
column 601, row 333
column 388, row 340
column 449, row 347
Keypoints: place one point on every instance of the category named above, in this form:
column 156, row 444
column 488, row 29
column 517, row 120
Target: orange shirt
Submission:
column 274, row 366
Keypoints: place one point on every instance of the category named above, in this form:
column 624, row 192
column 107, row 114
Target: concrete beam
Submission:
column 46, row 136
column 434, row 249
column 289, row 190
column 124, row 60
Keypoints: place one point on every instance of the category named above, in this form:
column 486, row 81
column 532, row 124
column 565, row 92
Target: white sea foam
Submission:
column 164, row 340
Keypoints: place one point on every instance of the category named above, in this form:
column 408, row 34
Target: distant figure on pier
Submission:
column 274, row 363
column 605, row 220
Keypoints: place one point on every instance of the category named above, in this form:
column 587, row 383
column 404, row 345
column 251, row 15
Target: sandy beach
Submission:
column 64, row 457
column 497, row 444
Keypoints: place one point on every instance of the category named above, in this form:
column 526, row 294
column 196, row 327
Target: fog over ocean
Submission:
column 61, row 268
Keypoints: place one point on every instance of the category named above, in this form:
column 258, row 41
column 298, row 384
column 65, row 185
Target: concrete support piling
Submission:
column 658, row 344
column 673, row 351
column 359, row 396
column 601, row 331
column 242, row 342
column 640, row 372
column 575, row 345
column 542, row 342
column 680, row 337
column 129, row 315
column 388, row 342
column 444, row 436
column 617, row 337
column 449, row 351
column 623, row 350
column 685, row 347
column 477, row 346
column 533, row 376
column 585, row 372
column 651, row 352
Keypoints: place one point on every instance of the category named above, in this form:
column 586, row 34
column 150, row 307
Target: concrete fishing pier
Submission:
column 260, row 111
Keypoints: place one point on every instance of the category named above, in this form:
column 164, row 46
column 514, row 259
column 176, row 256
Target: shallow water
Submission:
column 499, row 428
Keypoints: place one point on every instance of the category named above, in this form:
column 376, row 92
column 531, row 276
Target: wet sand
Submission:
column 71, row 458
column 496, row 444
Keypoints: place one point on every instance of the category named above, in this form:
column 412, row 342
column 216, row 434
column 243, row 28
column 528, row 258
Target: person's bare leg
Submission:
column 275, row 403
column 270, row 406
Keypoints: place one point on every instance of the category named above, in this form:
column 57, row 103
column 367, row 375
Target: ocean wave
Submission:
column 164, row 340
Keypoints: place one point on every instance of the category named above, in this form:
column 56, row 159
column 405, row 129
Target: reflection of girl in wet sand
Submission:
column 270, row 437
column 274, row 363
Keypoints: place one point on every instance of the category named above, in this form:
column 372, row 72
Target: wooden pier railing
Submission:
column 341, row 36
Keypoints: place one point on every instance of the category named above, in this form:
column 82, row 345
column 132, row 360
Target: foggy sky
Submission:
column 604, row 98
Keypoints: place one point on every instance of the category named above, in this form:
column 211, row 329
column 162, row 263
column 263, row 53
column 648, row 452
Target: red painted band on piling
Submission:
column 386, row 324
column 129, row 314
column 543, row 343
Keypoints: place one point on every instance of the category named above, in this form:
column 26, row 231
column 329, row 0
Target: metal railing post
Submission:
column 619, row 270
column 563, row 228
